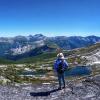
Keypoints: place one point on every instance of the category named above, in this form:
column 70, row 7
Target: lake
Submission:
column 75, row 71
column 78, row 71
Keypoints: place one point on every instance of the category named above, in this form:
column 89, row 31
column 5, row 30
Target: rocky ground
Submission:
column 85, row 89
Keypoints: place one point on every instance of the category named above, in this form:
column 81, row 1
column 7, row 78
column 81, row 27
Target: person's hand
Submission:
column 55, row 73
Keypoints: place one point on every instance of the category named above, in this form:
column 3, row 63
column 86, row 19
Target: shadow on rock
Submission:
column 43, row 93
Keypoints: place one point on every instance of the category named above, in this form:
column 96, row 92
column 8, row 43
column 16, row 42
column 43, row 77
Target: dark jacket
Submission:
column 57, row 62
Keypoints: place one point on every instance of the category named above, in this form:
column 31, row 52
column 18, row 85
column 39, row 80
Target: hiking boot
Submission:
column 63, row 87
column 59, row 88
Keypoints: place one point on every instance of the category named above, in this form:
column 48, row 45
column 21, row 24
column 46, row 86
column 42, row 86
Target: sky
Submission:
column 49, row 17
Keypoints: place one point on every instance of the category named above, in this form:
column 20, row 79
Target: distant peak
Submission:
column 38, row 35
column 19, row 36
column 92, row 36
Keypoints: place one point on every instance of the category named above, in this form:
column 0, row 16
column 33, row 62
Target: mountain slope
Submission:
column 31, row 53
column 74, row 41
column 22, row 45
column 42, row 54
column 81, row 54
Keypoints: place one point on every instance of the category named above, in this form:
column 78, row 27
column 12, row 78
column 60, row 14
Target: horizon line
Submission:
column 49, row 36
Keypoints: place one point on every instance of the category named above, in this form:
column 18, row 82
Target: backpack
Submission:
column 60, row 68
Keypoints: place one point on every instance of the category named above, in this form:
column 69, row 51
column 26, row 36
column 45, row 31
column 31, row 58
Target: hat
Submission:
column 60, row 56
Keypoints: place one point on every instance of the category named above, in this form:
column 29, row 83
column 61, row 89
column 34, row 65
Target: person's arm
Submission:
column 65, row 64
column 55, row 66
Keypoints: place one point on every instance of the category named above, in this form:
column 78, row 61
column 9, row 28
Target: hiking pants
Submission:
column 61, row 79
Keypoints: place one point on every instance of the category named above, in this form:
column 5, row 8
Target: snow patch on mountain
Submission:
column 21, row 50
column 27, row 48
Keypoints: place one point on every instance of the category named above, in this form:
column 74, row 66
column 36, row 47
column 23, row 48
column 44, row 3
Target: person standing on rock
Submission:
column 60, row 65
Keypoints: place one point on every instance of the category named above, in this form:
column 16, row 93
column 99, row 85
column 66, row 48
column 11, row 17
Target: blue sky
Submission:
column 50, row 17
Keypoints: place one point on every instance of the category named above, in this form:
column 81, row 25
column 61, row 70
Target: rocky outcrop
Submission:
column 87, row 89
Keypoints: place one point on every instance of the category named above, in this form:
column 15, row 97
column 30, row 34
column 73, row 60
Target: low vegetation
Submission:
column 41, row 66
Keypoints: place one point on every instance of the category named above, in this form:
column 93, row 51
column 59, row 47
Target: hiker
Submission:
column 60, row 65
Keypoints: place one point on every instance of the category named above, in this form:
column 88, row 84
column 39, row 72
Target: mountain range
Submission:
column 18, row 47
